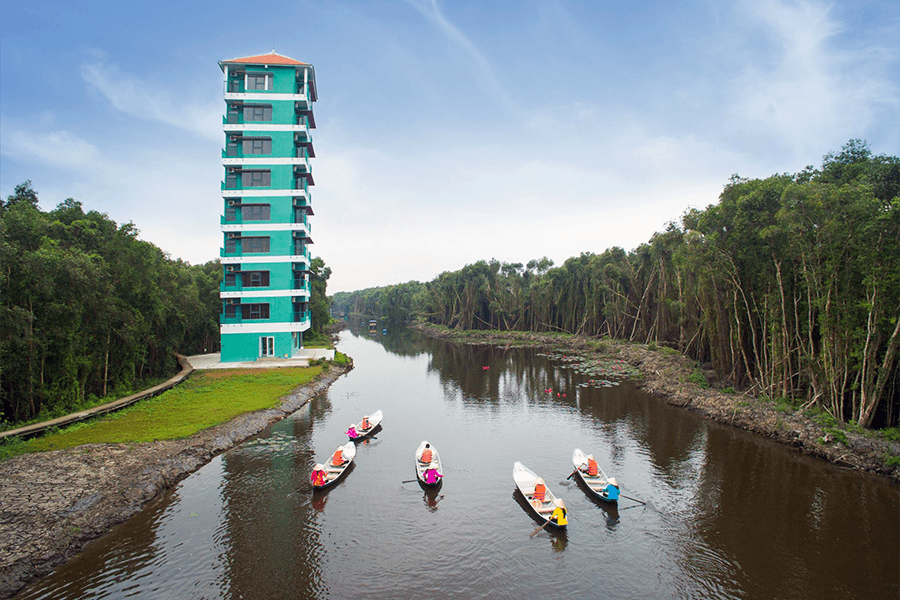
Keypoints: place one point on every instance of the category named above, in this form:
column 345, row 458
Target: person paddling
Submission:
column 431, row 476
column 558, row 516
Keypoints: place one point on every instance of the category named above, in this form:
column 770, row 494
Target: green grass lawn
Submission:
column 206, row 399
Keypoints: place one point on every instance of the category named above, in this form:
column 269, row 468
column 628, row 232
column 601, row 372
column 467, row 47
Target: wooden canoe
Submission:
column 434, row 463
column 525, row 480
column 334, row 473
column 599, row 485
column 374, row 422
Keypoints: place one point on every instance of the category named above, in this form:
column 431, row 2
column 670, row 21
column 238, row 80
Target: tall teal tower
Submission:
column 266, row 231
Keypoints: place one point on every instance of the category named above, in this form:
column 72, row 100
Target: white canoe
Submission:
column 333, row 473
column 374, row 422
column 434, row 463
column 598, row 484
column 525, row 480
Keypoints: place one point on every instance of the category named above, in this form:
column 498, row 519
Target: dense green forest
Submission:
column 89, row 310
column 789, row 287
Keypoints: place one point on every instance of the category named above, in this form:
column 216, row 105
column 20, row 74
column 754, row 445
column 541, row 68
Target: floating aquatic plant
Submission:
column 602, row 372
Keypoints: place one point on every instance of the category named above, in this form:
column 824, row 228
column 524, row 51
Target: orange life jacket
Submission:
column 426, row 455
column 365, row 423
column 338, row 458
column 539, row 491
column 593, row 469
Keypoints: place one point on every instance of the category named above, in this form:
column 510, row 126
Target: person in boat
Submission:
column 351, row 433
column 559, row 513
column 540, row 489
column 612, row 489
column 426, row 455
column 431, row 475
column 591, row 468
column 337, row 459
column 365, row 424
column 318, row 475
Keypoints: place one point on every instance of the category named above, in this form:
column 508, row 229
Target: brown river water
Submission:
column 728, row 514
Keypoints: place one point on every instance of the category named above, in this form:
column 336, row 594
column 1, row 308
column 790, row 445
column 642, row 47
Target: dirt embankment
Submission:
column 53, row 503
column 667, row 375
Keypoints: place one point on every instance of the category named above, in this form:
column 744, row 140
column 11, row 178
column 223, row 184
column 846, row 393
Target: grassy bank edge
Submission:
column 204, row 400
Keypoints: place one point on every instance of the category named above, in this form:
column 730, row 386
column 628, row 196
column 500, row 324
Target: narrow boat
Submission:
column 335, row 467
column 357, row 432
column 602, row 487
column 545, row 506
column 428, row 465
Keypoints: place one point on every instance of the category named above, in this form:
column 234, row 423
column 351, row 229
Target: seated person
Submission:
column 365, row 424
column 351, row 433
column 559, row 513
column 318, row 475
column 426, row 455
column 540, row 489
column 337, row 459
column 431, row 476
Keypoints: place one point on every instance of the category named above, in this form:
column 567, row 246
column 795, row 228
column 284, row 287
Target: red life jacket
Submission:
column 426, row 455
column 338, row 458
column 539, row 491
column 593, row 469
column 318, row 477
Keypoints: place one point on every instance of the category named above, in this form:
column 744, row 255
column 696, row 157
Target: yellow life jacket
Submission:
column 559, row 516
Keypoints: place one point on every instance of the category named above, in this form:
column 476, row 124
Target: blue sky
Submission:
column 448, row 131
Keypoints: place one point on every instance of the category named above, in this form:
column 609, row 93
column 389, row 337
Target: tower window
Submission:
column 256, row 212
column 261, row 178
column 259, row 81
column 255, row 244
column 255, row 311
column 257, row 145
column 257, row 112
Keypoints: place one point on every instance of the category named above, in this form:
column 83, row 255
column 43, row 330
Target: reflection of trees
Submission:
column 270, row 518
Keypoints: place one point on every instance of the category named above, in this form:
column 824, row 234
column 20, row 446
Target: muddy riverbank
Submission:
column 672, row 377
column 53, row 503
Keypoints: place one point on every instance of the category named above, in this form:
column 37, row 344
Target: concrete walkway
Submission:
column 300, row 359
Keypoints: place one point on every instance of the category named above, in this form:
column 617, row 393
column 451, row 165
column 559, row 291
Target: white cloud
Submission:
column 812, row 88
column 432, row 12
column 59, row 148
column 144, row 100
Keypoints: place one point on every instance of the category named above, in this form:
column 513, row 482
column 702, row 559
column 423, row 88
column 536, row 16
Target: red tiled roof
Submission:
column 266, row 59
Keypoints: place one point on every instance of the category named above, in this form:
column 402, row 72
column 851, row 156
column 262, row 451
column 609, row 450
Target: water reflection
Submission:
column 727, row 514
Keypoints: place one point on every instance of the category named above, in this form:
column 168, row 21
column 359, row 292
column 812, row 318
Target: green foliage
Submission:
column 789, row 284
column 698, row 379
column 341, row 358
column 206, row 399
column 729, row 390
column 891, row 461
column 892, row 434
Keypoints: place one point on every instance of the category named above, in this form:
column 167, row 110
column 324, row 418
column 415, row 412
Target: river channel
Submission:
column 727, row 515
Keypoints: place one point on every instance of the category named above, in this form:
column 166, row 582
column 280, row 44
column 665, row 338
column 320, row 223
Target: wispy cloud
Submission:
column 812, row 87
column 140, row 99
column 59, row 148
column 431, row 11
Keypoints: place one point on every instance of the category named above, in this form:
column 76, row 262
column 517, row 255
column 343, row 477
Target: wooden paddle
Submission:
column 409, row 481
column 539, row 528
column 572, row 475
column 630, row 498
